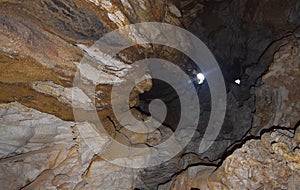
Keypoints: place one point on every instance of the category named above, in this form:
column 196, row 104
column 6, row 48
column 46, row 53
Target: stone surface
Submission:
column 193, row 177
column 243, row 41
column 72, row 96
column 24, row 130
column 277, row 99
column 48, row 39
column 40, row 151
column 273, row 162
column 42, row 46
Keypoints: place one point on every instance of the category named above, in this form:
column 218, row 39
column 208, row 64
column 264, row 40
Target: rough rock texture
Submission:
column 193, row 177
column 243, row 36
column 270, row 163
column 277, row 99
column 40, row 151
column 42, row 46
column 273, row 160
column 48, row 39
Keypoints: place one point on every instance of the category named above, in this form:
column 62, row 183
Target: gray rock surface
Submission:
column 40, row 151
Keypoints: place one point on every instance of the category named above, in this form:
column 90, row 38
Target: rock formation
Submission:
column 47, row 44
column 272, row 160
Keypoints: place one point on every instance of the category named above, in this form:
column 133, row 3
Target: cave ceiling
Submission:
column 46, row 142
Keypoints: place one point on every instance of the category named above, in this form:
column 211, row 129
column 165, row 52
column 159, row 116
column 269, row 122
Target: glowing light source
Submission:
column 237, row 81
column 200, row 78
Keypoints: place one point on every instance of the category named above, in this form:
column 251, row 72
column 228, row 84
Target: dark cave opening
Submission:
column 239, row 45
column 162, row 91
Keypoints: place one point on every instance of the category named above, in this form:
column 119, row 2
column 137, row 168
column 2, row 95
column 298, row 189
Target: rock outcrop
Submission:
column 277, row 99
column 273, row 162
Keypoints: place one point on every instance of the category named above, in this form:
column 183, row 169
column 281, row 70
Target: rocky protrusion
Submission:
column 277, row 99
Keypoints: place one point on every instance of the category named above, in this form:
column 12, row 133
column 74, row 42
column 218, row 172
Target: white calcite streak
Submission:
column 114, row 18
column 113, row 12
column 106, row 4
column 72, row 96
column 97, row 76
column 96, row 2
column 108, row 69
column 104, row 59
column 126, row 4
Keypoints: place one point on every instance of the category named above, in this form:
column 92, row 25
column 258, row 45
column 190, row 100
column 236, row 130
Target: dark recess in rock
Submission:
column 238, row 33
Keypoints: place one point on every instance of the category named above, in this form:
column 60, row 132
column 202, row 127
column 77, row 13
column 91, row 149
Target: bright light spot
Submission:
column 237, row 81
column 200, row 78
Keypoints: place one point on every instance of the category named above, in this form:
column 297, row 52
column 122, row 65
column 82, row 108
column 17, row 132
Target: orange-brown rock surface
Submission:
column 42, row 43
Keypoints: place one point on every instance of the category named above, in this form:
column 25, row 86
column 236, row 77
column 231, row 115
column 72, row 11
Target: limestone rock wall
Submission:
column 41, row 151
column 277, row 99
column 271, row 163
column 42, row 44
column 43, row 147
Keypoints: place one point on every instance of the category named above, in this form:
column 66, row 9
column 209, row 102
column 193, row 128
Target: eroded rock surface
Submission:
column 42, row 47
column 278, row 100
column 271, row 163
column 40, row 151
